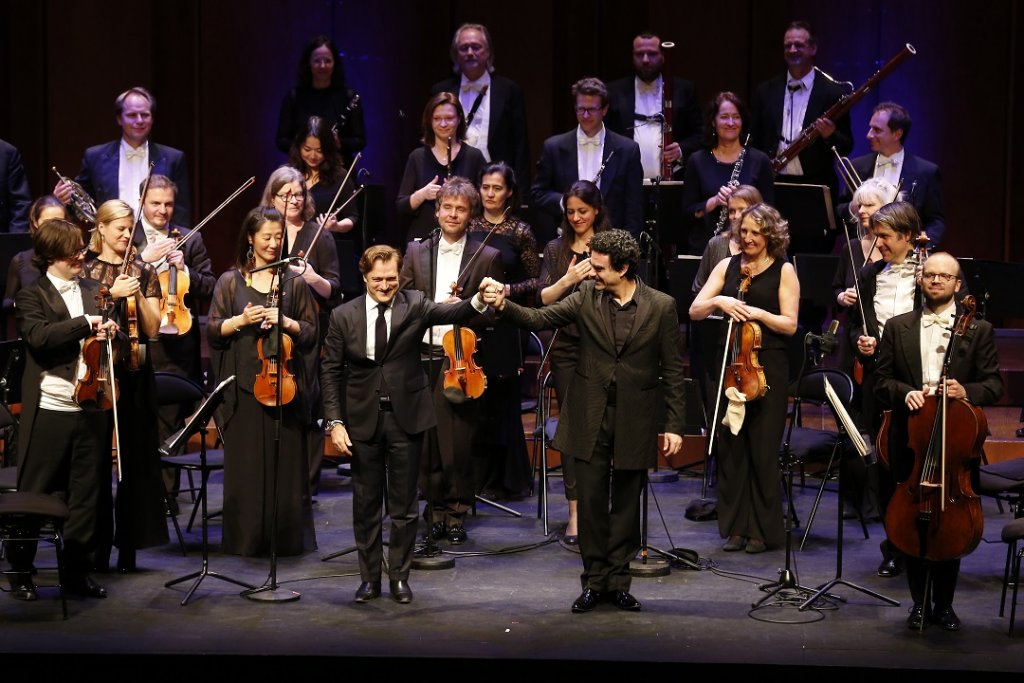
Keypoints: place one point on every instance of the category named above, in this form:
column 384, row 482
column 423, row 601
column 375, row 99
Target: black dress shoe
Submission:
column 915, row 621
column 400, row 592
column 84, row 586
column 889, row 568
column 947, row 619
column 368, row 590
column 587, row 601
column 457, row 535
column 623, row 600
column 438, row 531
column 22, row 588
column 126, row 560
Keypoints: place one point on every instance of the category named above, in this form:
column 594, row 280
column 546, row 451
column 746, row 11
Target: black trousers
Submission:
column 943, row 576
column 609, row 514
column 66, row 456
column 389, row 461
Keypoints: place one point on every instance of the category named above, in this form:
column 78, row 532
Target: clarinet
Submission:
column 734, row 181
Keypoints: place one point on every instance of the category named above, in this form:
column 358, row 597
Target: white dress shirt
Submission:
column 449, row 260
column 649, row 134
column 935, row 330
column 890, row 168
column 132, row 169
column 371, row 325
column 794, row 109
column 894, row 292
column 589, row 153
column 478, row 130
column 56, row 393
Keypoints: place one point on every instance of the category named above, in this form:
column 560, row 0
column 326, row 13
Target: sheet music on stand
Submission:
column 864, row 450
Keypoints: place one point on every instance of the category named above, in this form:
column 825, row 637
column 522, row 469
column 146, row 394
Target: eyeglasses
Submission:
column 466, row 48
column 77, row 255
column 942, row 277
column 588, row 111
column 444, row 119
column 291, row 197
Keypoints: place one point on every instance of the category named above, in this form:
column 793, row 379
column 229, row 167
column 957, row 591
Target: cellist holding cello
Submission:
column 749, row 497
column 910, row 364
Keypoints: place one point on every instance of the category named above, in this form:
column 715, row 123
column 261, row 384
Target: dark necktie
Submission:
column 380, row 339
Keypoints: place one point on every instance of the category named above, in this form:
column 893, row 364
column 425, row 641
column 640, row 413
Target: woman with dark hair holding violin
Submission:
column 321, row 91
column 246, row 308
column 756, row 286
column 139, row 514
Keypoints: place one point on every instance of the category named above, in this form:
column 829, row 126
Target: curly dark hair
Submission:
column 774, row 228
column 621, row 248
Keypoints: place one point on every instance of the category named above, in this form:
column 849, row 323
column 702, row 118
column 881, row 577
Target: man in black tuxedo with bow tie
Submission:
column 918, row 179
column 64, row 447
column 377, row 407
column 787, row 104
column 909, row 369
column 115, row 170
column 636, row 109
column 494, row 105
column 587, row 151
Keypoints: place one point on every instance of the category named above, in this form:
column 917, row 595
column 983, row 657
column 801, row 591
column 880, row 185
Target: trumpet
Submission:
column 847, row 171
column 82, row 204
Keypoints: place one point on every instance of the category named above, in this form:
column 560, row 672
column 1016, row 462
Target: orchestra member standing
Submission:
column 378, row 406
column 749, row 496
column 14, row 193
column 243, row 319
column 21, row 272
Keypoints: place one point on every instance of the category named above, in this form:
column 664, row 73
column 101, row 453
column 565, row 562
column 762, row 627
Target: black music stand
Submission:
column 199, row 423
column 812, row 221
column 663, row 211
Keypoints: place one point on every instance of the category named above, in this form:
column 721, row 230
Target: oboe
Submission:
column 734, row 181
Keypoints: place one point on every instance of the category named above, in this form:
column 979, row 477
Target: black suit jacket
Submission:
column 98, row 175
column 15, row 197
column 817, row 160
column 350, row 381
column 417, row 269
column 506, row 134
column 648, row 372
column 686, row 120
column 52, row 339
column 621, row 182
column 922, row 186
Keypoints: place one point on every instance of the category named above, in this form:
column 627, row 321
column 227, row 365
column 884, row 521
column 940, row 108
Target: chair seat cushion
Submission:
column 24, row 503
column 214, row 460
column 1013, row 531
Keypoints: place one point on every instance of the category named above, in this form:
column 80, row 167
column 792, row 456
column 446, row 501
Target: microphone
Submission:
column 275, row 264
column 362, row 175
column 436, row 232
column 829, row 341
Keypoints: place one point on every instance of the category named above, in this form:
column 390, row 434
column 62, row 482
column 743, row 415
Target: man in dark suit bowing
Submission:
column 494, row 105
column 636, row 109
column 787, row 104
column 909, row 369
column 446, row 269
column 917, row 178
column 377, row 407
column 115, row 170
column 64, row 447
column 586, row 152
column 629, row 368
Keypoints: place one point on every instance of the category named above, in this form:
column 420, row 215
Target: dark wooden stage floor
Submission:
column 505, row 607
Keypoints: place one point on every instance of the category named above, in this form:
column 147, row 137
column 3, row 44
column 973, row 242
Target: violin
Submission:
column 935, row 514
column 463, row 379
column 98, row 387
column 136, row 355
column 274, row 363
column 175, row 318
column 744, row 372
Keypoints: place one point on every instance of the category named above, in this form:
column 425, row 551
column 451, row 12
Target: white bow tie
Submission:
column 929, row 319
column 473, row 87
column 584, row 141
column 902, row 269
column 644, row 87
column 455, row 249
column 883, row 161
column 70, row 286
column 137, row 153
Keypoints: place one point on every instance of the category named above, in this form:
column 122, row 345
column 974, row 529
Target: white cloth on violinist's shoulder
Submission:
column 736, row 411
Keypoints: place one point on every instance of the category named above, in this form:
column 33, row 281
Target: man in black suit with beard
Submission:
column 917, row 178
column 377, row 407
column 909, row 368
column 434, row 266
column 636, row 104
column 629, row 369
column 494, row 105
column 787, row 104
column 586, row 151
column 115, row 170
column 64, row 447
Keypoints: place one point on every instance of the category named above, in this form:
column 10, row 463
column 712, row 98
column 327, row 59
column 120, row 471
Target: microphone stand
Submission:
column 270, row 591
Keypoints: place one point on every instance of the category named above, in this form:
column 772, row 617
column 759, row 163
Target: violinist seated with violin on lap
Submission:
column 63, row 444
column 760, row 292
column 908, row 371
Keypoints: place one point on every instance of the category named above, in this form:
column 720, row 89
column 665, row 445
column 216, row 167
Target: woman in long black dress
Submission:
column 321, row 91
column 139, row 513
column 566, row 263
column 706, row 190
column 241, row 315
column 505, row 472
column 20, row 272
column 316, row 155
column 749, row 496
column 428, row 166
column 287, row 193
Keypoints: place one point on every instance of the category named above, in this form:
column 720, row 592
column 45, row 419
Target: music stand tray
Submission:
column 808, row 208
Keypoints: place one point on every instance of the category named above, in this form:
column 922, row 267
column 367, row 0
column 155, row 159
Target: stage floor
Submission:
column 505, row 605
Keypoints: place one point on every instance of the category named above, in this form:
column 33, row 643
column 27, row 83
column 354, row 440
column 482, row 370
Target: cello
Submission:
column 935, row 514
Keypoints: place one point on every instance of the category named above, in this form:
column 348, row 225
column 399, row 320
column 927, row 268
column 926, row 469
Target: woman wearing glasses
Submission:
column 443, row 154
